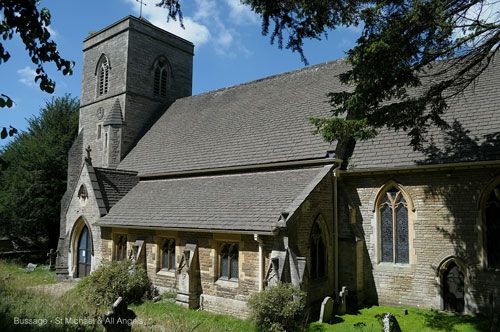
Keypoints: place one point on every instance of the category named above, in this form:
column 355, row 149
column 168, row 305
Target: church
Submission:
column 222, row 194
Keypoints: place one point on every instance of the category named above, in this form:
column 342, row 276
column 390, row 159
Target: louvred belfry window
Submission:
column 394, row 243
column 161, row 74
column 103, row 76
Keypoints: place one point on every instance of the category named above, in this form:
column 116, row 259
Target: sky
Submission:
column 229, row 48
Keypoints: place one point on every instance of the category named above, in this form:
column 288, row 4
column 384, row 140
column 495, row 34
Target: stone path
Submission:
column 57, row 289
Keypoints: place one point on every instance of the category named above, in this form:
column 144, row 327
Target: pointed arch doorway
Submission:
column 453, row 288
column 84, row 255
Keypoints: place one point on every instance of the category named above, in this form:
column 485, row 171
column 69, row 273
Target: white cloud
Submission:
column 27, row 76
column 194, row 31
column 205, row 9
column 205, row 24
column 241, row 14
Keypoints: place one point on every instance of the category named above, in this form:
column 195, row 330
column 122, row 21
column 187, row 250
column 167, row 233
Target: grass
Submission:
column 419, row 320
column 173, row 317
column 20, row 298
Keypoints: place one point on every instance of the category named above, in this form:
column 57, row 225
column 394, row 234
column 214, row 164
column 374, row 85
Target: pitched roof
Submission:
column 114, row 116
column 474, row 117
column 266, row 121
column 114, row 184
column 258, row 122
column 234, row 202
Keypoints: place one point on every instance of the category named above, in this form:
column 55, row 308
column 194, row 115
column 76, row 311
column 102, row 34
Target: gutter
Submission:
column 238, row 169
column 197, row 230
column 429, row 167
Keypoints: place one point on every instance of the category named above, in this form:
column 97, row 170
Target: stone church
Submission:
column 225, row 193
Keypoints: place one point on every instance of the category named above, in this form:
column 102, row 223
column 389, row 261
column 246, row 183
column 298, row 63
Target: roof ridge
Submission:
column 267, row 78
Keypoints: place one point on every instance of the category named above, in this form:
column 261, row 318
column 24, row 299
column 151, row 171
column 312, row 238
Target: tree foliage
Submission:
column 25, row 19
column 33, row 178
column 412, row 57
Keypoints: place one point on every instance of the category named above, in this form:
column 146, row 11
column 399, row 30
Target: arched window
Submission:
column 168, row 255
column 492, row 210
column 161, row 77
column 318, row 252
column 121, row 247
column 103, row 76
column 393, row 223
column 229, row 261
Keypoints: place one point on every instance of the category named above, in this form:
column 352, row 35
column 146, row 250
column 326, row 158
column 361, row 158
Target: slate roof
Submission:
column 114, row 184
column 474, row 135
column 259, row 122
column 266, row 121
column 232, row 202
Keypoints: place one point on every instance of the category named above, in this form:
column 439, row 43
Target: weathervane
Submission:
column 142, row 3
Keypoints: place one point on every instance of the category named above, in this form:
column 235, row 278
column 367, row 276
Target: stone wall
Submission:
column 79, row 212
column 319, row 204
column 132, row 46
column 221, row 296
column 446, row 222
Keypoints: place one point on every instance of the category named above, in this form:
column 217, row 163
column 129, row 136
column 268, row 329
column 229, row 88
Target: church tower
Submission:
column 132, row 71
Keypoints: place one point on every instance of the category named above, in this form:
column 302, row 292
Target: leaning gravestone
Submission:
column 326, row 313
column 31, row 267
column 390, row 323
column 120, row 318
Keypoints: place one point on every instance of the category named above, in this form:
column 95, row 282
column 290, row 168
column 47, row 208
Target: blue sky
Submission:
column 229, row 48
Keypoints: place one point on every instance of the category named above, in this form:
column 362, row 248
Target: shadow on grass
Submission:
column 448, row 321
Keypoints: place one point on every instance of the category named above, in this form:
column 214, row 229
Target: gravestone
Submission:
column 390, row 323
column 52, row 254
column 120, row 318
column 326, row 313
column 188, row 278
column 343, row 300
column 31, row 267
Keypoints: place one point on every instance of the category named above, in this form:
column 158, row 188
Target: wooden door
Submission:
column 84, row 253
column 453, row 289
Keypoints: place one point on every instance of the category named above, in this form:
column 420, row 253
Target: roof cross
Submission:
column 141, row 3
column 88, row 150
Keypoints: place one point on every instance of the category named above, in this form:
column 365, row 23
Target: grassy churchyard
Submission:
column 35, row 302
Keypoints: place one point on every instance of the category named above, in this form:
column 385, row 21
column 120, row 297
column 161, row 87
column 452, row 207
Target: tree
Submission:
column 24, row 18
column 34, row 178
column 413, row 56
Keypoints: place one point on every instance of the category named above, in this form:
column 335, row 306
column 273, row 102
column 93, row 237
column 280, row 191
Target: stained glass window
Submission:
column 394, row 242
column 229, row 261
column 318, row 253
column 121, row 248
column 168, row 255
column 386, row 233
column 493, row 228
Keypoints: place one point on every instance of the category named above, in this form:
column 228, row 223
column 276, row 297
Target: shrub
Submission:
column 279, row 308
column 103, row 286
